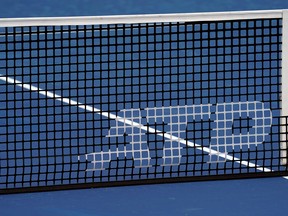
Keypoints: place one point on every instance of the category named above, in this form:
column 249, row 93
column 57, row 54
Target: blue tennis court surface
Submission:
column 263, row 197
column 250, row 197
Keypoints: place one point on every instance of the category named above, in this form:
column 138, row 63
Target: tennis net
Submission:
column 122, row 100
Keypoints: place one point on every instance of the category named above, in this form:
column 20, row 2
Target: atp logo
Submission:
column 137, row 124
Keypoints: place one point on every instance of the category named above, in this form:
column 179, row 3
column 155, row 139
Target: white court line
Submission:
column 126, row 121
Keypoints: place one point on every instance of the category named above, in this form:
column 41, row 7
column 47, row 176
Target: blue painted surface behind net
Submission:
column 243, row 197
column 257, row 197
column 34, row 8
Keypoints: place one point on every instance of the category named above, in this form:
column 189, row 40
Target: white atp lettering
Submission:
column 138, row 148
column 227, row 131
column 176, row 117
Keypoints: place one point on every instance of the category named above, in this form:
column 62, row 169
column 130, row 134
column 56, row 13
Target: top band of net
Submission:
column 117, row 104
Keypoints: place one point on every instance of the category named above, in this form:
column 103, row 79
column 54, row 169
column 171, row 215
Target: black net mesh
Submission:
column 84, row 106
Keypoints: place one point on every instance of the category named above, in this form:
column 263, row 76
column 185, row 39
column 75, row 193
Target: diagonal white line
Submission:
column 128, row 122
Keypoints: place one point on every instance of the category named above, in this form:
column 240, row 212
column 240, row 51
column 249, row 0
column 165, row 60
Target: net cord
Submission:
column 148, row 18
